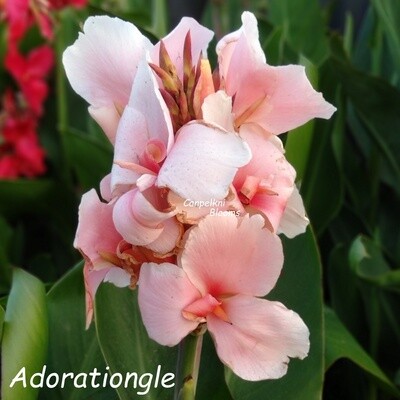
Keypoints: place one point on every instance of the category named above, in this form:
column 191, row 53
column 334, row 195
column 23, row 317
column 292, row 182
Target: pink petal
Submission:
column 200, row 37
column 294, row 220
column 101, row 64
column 203, row 162
column 164, row 291
column 129, row 145
column 276, row 175
column 285, row 96
column 229, row 255
column 138, row 221
column 108, row 118
column 261, row 337
column 96, row 232
column 146, row 98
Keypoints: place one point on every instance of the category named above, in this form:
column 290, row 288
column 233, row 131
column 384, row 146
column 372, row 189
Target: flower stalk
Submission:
column 189, row 364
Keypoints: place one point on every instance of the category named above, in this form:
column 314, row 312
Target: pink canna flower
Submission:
column 226, row 265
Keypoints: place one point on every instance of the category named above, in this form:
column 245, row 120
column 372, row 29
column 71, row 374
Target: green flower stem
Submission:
column 189, row 364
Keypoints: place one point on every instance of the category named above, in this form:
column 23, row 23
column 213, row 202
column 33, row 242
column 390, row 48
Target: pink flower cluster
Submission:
column 20, row 151
column 187, row 141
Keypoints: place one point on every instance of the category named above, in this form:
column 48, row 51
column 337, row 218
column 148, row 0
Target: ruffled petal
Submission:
column 229, row 255
column 240, row 52
column 96, row 232
column 139, row 222
column 203, row 162
column 164, row 292
column 168, row 239
column 101, row 64
column 260, row 337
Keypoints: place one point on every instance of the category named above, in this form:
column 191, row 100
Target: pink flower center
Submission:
column 251, row 186
column 200, row 308
column 153, row 155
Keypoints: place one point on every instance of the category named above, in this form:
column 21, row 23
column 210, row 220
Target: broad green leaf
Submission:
column 305, row 35
column 299, row 288
column 71, row 347
column 2, row 314
column 126, row 346
column 340, row 344
column 90, row 158
column 5, row 268
column 25, row 336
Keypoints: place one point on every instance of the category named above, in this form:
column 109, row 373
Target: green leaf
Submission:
column 340, row 344
column 90, row 157
column 22, row 196
column 2, row 314
column 305, row 35
column 211, row 384
column 322, row 177
column 5, row 267
column 25, row 335
column 126, row 345
column 71, row 347
column 298, row 288
column 345, row 295
column 389, row 15
column 376, row 103
column 159, row 16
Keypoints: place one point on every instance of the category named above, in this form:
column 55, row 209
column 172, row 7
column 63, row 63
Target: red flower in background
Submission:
column 22, row 14
column 58, row 4
column 20, row 151
column 30, row 73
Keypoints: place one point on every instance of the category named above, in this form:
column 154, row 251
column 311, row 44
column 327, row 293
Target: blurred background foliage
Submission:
column 348, row 170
